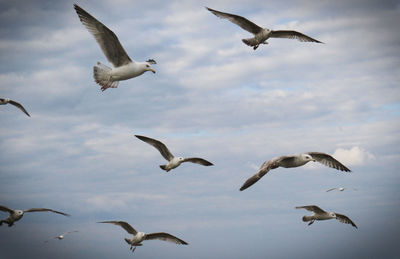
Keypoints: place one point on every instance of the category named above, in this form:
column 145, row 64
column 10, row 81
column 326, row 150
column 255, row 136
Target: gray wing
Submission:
column 165, row 237
column 5, row 209
column 238, row 20
column 46, row 210
column 19, row 106
column 107, row 39
column 292, row 35
column 264, row 169
column 331, row 189
column 122, row 224
column 344, row 219
column 328, row 160
column 312, row 208
column 159, row 145
column 197, row 160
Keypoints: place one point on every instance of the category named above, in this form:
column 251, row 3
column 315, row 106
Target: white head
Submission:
column 333, row 215
column 148, row 67
column 307, row 157
column 17, row 214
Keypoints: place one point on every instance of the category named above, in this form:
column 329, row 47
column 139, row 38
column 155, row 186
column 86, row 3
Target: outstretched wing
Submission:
column 5, row 209
column 107, row 39
column 122, row 224
column 159, row 145
column 197, row 160
column 331, row 189
column 264, row 169
column 165, row 237
column 312, row 208
column 292, row 35
column 19, row 106
column 45, row 210
column 328, row 160
column 238, row 20
column 344, row 219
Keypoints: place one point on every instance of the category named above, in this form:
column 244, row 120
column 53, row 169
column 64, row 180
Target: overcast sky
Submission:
column 212, row 97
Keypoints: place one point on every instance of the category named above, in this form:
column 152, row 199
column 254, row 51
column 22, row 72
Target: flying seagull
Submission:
column 60, row 237
column 339, row 189
column 16, row 215
column 124, row 67
column 294, row 161
column 320, row 214
column 173, row 162
column 16, row 104
column 261, row 35
column 139, row 237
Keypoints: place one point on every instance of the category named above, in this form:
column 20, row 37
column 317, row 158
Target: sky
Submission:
column 211, row 97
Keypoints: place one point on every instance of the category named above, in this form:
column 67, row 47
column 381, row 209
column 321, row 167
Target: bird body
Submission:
column 261, row 35
column 173, row 161
column 139, row 237
column 320, row 214
column 124, row 67
column 293, row 161
column 15, row 215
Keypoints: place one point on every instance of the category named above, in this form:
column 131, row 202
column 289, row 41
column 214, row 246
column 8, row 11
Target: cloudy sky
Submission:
column 212, row 97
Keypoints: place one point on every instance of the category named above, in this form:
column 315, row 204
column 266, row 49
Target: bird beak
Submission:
column 152, row 70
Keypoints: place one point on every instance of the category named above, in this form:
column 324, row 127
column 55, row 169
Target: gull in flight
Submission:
column 124, row 67
column 320, row 214
column 139, row 237
column 294, row 161
column 16, row 215
column 16, row 104
column 173, row 162
column 339, row 189
column 261, row 35
column 60, row 237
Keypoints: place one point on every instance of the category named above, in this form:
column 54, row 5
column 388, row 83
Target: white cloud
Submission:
column 353, row 156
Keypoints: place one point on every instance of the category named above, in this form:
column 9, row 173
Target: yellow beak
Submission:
column 152, row 70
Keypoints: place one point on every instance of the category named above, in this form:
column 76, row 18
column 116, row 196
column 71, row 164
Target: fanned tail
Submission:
column 307, row 218
column 101, row 74
column 252, row 42
column 163, row 167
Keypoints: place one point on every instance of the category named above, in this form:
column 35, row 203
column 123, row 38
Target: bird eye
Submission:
column 147, row 65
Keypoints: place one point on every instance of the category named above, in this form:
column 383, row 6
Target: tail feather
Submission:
column 163, row 167
column 250, row 42
column 102, row 76
column 307, row 218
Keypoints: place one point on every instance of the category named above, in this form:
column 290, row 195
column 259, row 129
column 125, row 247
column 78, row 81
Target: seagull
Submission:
column 124, row 67
column 60, row 237
column 139, row 237
column 339, row 189
column 16, row 215
column 261, row 35
column 173, row 162
column 16, row 104
column 294, row 161
column 320, row 214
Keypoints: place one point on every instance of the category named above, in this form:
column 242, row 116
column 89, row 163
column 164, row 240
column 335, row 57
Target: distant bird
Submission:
column 62, row 235
column 339, row 189
column 16, row 104
column 124, row 67
column 320, row 214
column 294, row 161
column 139, row 237
column 16, row 215
column 261, row 35
column 173, row 162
